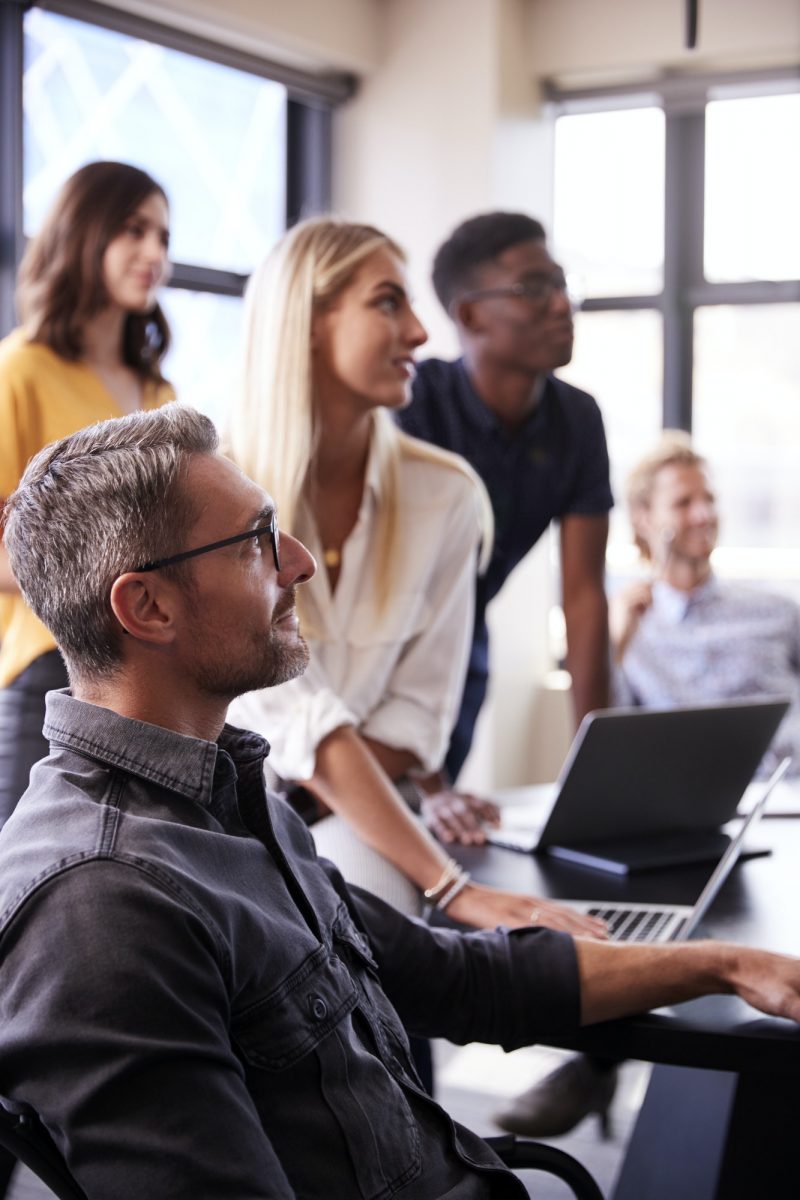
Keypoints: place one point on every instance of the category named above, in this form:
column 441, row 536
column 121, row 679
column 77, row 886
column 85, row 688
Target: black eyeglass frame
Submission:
column 537, row 292
column 271, row 529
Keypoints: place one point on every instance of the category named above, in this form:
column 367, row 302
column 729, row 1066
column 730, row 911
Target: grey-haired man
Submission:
column 195, row 1005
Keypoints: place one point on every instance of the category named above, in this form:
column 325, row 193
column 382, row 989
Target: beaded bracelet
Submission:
column 451, row 871
column 455, row 890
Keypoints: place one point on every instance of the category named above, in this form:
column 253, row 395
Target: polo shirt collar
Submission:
column 486, row 420
column 185, row 765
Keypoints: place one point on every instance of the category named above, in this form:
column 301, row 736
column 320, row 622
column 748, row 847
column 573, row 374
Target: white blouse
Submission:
column 395, row 672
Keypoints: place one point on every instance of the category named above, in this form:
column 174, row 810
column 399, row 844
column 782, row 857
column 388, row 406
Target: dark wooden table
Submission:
column 721, row 1118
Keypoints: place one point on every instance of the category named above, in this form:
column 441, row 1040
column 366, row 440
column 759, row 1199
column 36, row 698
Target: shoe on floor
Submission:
column 558, row 1102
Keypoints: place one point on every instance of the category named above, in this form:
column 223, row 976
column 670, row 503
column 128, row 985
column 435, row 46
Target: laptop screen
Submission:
column 726, row 863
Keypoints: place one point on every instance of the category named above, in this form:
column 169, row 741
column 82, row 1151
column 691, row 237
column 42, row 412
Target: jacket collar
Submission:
column 185, row 765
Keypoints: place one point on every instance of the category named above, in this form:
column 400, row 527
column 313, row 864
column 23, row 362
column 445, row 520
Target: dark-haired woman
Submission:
column 90, row 347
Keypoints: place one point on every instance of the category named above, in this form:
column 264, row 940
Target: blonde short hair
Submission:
column 673, row 450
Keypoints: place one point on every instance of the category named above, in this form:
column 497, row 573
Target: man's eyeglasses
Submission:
column 271, row 529
column 538, row 289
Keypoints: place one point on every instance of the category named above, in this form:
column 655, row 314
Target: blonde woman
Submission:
column 396, row 526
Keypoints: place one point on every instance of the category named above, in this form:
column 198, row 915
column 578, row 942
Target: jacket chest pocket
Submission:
column 334, row 1114
column 354, row 948
column 275, row 1032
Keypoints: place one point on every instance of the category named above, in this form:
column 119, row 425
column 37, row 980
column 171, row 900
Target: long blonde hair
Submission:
column 271, row 434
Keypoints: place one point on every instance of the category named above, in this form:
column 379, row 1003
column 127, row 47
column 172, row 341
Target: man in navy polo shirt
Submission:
column 540, row 448
column 537, row 443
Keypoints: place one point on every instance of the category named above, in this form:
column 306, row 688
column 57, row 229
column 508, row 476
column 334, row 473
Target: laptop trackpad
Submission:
column 622, row 856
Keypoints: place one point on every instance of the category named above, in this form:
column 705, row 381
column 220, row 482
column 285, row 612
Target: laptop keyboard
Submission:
column 639, row 925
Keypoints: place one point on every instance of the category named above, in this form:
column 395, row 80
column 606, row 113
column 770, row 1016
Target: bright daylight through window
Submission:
column 687, row 249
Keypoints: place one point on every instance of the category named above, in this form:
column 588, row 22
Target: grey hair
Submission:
column 91, row 507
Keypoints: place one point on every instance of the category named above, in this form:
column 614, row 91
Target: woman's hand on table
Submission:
column 459, row 816
column 487, row 907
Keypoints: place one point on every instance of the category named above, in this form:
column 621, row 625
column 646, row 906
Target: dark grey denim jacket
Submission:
column 199, row 1008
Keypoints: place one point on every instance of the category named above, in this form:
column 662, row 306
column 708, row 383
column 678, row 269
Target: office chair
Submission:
column 24, row 1136
column 520, row 1154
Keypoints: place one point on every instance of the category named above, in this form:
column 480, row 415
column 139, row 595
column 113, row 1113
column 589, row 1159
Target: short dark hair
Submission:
column 60, row 282
column 475, row 242
column 91, row 507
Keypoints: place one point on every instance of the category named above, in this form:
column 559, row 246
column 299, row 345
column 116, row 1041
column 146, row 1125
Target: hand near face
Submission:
column 625, row 611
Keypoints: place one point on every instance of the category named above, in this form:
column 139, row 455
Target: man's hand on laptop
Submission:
column 770, row 982
column 489, row 907
column 619, row 980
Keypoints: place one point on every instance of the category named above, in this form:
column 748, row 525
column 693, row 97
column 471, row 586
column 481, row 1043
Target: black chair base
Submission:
column 520, row 1154
column 23, row 1135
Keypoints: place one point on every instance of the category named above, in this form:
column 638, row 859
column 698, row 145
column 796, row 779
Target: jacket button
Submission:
column 319, row 1008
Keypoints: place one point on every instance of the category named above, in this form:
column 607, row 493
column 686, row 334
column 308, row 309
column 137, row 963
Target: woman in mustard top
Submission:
column 90, row 347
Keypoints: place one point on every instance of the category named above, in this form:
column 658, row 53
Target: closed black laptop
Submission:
column 646, row 788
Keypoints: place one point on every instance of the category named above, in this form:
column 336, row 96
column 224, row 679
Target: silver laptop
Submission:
column 676, row 922
column 650, row 788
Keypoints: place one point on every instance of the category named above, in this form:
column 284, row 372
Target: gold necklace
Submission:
column 332, row 557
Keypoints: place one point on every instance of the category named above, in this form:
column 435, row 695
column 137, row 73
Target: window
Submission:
column 213, row 136
column 618, row 358
column 752, row 189
column 204, row 357
column 240, row 146
column 616, row 249
column 678, row 211
column 747, row 418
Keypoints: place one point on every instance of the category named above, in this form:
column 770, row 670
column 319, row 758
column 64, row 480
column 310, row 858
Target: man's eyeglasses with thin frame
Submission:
column 539, row 290
column 259, row 531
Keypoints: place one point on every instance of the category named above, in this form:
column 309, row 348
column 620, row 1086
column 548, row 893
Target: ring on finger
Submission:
column 534, row 917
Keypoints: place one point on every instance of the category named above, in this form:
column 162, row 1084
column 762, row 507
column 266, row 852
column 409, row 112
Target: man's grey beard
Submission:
column 271, row 664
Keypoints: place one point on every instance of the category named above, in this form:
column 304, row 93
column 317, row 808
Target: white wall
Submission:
column 445, row 127
column 556, row 38
column 342, row 35
column 595, row 41
column 412, row 150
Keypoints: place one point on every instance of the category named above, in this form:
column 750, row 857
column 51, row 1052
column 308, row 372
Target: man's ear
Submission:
column 144, row 606
column 468, row 316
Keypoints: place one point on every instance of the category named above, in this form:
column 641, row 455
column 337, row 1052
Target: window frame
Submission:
column 685, row 288
column 311, row 99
